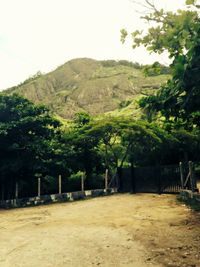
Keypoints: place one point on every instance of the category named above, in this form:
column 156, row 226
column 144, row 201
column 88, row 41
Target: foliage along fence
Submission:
column 158, row 179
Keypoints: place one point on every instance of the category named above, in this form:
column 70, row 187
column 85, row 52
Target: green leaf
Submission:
column 190, row 2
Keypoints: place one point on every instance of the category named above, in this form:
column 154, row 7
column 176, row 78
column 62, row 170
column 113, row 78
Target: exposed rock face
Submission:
column 86, row 85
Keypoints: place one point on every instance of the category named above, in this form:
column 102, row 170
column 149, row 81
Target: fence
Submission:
column 154, row 179
column 158, row 179
column 40, row 186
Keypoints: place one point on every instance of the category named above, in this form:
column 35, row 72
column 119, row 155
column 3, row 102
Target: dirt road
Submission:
column 122, row 230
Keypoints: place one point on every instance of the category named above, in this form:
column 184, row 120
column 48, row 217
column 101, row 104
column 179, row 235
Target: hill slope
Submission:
column 87, row 85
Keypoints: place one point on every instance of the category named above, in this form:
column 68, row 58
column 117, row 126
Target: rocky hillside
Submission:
column 88, row 85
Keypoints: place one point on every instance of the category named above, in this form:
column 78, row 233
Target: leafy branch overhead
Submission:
column 174, row 32
column 177, row 33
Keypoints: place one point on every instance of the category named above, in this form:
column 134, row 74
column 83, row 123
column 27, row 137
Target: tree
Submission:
column 179, row 34
column 26, row 134
column 123, row 140
column 81, row 118
column 83, row 155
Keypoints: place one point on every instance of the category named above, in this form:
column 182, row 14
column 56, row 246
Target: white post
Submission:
column 106, row 179
column 82, row 182
column 39, row 186
column 60, row 184
column 16, row 190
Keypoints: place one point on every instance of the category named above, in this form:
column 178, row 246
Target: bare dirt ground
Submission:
column 122, row 230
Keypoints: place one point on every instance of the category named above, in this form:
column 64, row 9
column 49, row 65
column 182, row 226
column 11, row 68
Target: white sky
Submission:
column 39, row 35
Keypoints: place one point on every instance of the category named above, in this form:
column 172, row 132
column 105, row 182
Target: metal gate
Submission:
column 154, row 179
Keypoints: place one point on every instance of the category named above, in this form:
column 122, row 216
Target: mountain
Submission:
column 88, row 85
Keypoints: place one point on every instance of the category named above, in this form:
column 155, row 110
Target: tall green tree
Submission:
column 179, row 34
column 123, row 140
column 26, row 134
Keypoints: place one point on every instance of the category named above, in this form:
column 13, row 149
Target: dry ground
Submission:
column 121, row 230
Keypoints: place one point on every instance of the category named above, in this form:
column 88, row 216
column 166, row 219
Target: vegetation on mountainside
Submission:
column 89, row 85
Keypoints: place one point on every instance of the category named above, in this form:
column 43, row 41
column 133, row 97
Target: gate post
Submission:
column 192, row 177
column 182, row 175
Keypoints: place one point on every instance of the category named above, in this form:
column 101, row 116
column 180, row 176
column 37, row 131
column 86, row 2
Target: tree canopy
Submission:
column 34, row 144
column 26, row 133
column 179, row 34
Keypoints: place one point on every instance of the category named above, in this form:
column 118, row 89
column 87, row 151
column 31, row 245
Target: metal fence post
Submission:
column 191, row 176
column 182, row 175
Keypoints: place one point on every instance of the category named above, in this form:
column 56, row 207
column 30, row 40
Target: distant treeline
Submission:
column 149, row 70
column 113, row 63
column 29, row 79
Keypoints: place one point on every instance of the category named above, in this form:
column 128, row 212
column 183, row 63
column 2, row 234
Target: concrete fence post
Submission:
column 82, row 182
column 16, row 190
column 60, row 184
column 39, row 186
column 106, row 179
